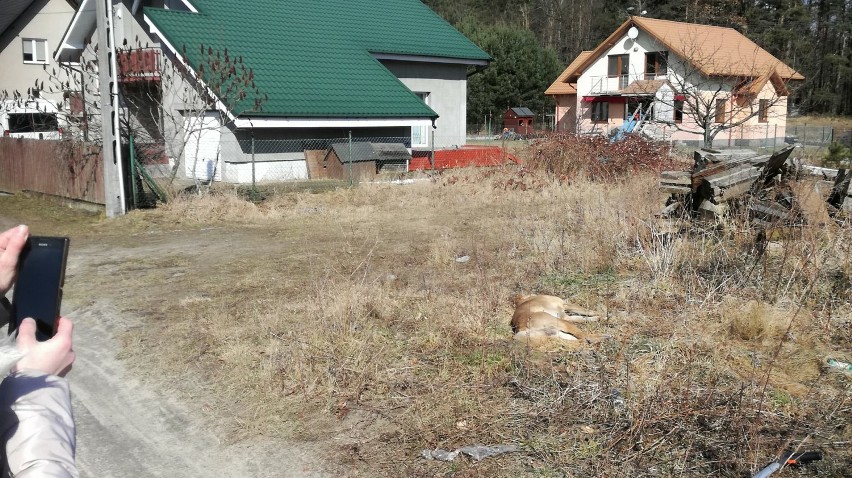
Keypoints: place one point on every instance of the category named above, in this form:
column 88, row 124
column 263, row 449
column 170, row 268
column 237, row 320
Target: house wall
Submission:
column 566, row 113
column 594, row 81
column 755, row 133
column 447, row 87
column 44, row 19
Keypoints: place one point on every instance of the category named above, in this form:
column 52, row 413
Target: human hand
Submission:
column 11, row 244
column 53, row 357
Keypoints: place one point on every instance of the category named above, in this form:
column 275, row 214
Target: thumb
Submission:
column 64, row 328
column 26, row 333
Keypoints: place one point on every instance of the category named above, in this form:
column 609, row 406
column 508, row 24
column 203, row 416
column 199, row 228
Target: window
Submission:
column 600, row 112
column 656, row 64
column 618, row 65
column 763, row 111
column 35, row 50
column 32, row 122
column 678, row 111
column 420, row 134
column 720, row 110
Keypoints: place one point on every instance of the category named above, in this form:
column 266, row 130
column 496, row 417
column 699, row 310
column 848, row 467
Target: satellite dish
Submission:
column 633, row 33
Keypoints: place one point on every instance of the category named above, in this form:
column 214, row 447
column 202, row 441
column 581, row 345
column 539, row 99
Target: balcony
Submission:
column 138, row 65
column 613, row 85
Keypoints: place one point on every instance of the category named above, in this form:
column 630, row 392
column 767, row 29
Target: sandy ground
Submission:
column 127, row 427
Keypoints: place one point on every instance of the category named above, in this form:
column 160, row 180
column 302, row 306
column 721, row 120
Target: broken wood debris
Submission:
column 760, row 182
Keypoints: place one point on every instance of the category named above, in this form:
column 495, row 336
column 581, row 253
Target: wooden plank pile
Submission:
column 757, row 182
column 841, row 192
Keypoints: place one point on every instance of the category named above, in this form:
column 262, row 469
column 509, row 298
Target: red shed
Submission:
column 520, row 120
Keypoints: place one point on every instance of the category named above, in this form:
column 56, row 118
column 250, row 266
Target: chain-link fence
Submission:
column 496, row 130
column 254, row 161
column 816, row 135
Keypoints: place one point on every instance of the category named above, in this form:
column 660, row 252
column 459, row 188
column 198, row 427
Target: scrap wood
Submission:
column 676, row 182
column 775, row 165
column 769, row 211
column 841, row 194
column 733, row 176
column 764, row 181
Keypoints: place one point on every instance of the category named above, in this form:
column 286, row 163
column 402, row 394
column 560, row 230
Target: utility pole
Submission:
column 108, row 84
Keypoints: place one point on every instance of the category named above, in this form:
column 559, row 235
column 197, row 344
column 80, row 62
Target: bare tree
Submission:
column 707, row 92
column 165, row 99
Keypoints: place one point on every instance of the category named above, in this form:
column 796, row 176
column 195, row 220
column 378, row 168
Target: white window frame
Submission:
column 34, row 44
column 421, row 132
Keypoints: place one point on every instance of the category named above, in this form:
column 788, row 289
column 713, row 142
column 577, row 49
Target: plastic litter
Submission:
column 440, row 455
column 839, row 365
column 789, row 459
column 477, row 452
column 462, row 259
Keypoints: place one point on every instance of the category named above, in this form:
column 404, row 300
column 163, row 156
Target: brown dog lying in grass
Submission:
column 540, row 318
column 555, row 306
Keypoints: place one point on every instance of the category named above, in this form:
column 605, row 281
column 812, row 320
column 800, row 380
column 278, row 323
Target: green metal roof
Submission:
column 312, row 58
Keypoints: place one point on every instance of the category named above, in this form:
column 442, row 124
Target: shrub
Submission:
column 568, row 156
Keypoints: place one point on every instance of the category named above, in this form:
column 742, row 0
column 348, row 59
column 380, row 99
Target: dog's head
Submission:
column 519, row 298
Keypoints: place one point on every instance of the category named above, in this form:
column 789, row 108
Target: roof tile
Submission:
column 314, row 58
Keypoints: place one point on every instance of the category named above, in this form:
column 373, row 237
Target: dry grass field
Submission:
column 374, row 323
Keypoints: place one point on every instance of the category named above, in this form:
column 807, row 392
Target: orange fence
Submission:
column 461, row 157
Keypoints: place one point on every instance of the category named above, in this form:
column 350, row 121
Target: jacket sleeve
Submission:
column 37, row 426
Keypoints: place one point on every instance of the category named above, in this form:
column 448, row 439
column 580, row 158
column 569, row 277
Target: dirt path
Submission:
column 129, row 428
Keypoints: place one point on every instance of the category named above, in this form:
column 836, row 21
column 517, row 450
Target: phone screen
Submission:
column 38, row 289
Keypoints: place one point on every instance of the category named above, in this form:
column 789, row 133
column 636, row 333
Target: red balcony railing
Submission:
column 139, row 65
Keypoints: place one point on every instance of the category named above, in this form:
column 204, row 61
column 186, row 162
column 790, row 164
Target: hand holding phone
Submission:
column 52, row 357
column 38, row 289
column 12, row 242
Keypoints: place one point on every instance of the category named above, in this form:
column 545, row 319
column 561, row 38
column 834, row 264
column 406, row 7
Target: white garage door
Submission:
column 202, row 147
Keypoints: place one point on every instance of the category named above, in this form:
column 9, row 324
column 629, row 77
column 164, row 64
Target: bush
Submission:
column 568, row 156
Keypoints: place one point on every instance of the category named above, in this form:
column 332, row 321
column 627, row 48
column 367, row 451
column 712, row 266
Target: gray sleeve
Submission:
column 37, row 426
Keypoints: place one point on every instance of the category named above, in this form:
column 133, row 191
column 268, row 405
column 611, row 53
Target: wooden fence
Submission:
column 59, row 168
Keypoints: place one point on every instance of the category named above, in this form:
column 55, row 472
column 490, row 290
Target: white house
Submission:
column 682, row 82
column 30, row 30
column 299, row 70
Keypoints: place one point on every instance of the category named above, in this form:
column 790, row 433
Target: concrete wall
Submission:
column 447, row 88
column 44, row 19
column 279, row 153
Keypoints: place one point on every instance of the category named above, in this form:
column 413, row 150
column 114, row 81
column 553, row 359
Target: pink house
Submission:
column 674, row 81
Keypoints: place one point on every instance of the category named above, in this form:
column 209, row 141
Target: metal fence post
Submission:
column 350, row 158
column 432, row 152
column 766, row 136
column 253, row 184
column 135, row 199
column 805, row 135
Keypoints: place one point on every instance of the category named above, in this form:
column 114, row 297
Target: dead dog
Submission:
column 541, row 319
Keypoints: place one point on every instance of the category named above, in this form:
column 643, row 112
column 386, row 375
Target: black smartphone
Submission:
column 38, row 289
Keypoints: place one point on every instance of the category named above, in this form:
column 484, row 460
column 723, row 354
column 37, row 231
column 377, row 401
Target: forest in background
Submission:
column 532, row 41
